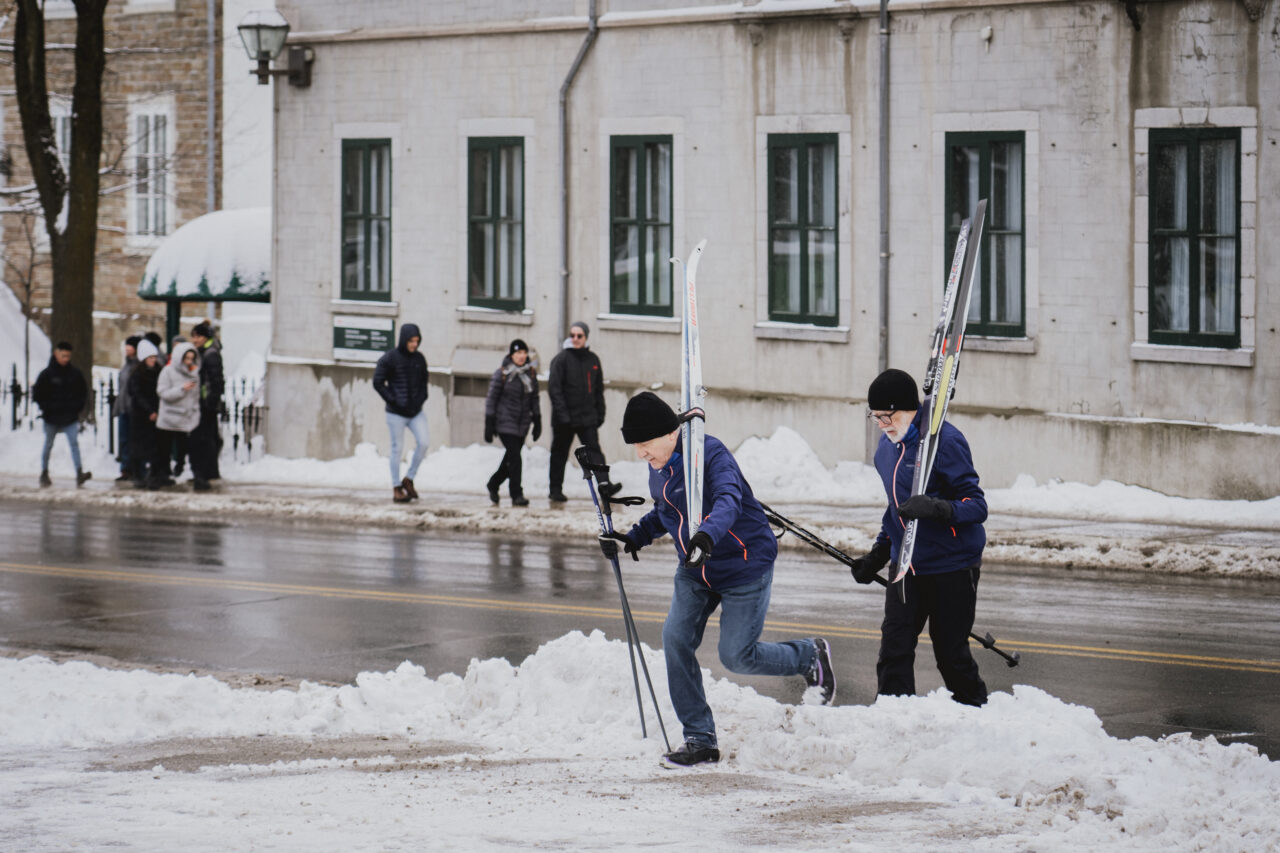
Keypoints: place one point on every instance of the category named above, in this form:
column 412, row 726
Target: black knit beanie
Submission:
column 893, row 391
column 646, row 418
column 517, row 344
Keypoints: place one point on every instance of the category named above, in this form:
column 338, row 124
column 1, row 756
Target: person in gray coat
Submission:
column 509, row 409
column 179, row 391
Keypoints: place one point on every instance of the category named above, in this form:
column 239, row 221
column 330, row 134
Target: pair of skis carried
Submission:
column 693, row 434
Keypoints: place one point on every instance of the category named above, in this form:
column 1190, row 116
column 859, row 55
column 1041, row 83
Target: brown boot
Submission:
column 407, row 484
column 399, row 495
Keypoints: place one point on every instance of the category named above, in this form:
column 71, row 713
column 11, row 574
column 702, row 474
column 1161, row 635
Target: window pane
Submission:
column 822, row 273
column 1218, row 284
column 626, row 264
column 1169, row 187
column 624, row 183
column 962, row 189
column 1006, row 278
column 658, row 170
column 785, row 196
column 1170, row 284
column 1006, row 186
column 377, row 256
column 657, row 258
column 510, row 182
column 480, row 285
column 784, row 294
column 352, row 254
column 822, row 184
column 479, row 194
column 352, row 191
column 1218, row 186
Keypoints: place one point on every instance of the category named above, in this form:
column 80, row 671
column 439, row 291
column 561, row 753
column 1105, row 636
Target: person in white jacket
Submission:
column 179, row 391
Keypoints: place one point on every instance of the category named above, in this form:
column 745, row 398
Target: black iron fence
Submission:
column 242, row 415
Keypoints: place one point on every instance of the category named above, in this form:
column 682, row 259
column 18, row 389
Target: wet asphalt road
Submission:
column 1151, row 654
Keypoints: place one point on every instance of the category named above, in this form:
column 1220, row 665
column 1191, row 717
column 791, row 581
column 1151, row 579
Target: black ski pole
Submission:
column 596, row 473
column 810, row 538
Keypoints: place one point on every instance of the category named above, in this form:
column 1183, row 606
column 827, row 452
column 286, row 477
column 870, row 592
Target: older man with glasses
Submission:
column 575, row 385
column 942, row 585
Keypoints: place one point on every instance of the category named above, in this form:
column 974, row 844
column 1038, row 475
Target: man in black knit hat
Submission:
column 942, row 584
column 727, row 564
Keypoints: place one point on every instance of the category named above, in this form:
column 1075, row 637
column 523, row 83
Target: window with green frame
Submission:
column 640, row 225
column 803, row 249
column 366, row 219
column 991, row 166
column 495, row 226
column 1194, row 237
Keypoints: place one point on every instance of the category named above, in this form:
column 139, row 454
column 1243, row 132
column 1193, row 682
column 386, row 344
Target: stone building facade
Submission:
column 1126, row 322
column 156, row 121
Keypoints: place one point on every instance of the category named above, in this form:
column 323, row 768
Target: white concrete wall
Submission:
column 1072, row 77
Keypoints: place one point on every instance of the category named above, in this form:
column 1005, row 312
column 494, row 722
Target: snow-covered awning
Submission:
column 224, row 256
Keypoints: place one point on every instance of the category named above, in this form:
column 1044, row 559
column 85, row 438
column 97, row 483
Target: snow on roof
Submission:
column 221, row 256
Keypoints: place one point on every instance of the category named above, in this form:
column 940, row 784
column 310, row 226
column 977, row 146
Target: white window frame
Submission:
column 606, row 129
column 1026, row 122
column 1159, row 118
column 842, row 127
column 153, row 106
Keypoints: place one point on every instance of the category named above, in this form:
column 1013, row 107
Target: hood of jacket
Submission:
column 407, row 331
column 179, row 349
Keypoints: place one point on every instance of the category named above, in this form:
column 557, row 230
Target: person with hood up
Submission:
column 401, row 381
column 144, row 408
column 509, row 409
column 942, row 584
column 575, row 384
column 120, row 408
column 727, row 564
column 178, row 389
column 61, row 393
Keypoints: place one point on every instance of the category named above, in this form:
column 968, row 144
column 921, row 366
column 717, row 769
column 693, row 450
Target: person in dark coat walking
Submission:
column 510, row 408
column 144, row 408
column 942, row 584
column 206, row 440
column 726, row 565
column 120, row 408
column 575, row 384
column 61, row 393
column 401, row 380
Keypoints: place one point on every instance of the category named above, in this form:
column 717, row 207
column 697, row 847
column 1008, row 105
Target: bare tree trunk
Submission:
column 72, row 245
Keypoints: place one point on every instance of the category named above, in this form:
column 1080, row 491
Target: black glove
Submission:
column 865, row 569
column 609, row 545
column 926, row 508
column 490, row 429
column 537, row 428
column 699, row 549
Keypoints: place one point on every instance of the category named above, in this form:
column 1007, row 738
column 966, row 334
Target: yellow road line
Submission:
column 653, row 616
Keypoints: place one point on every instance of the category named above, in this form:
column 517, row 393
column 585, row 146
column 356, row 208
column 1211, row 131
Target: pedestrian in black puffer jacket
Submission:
column 206, row 440
column 510, row 408
column 61, row 393
column 144, row 407
column 575, row 385
column 401, row 381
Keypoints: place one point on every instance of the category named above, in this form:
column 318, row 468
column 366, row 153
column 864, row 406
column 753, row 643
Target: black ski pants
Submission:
column 512, row 467
column 561, row 439
column 946, row 601
column 204, row 446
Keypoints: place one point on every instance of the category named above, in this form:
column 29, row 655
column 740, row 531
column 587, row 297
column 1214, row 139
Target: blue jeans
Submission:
column 72, row 431
column 418, row 426
column 742, row 612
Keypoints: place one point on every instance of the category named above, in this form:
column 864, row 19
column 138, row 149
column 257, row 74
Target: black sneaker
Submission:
column 692, row 753
column 82, row 476
column 44, row 479
column 493, row 494
column 519, row 500
column 820, row 673
column 558, row 497
column 200, row 484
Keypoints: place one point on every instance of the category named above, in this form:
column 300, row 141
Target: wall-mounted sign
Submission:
column 362, row 338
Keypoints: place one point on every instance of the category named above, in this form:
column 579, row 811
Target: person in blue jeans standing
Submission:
column 61, row 393
column 727, row 564
column 401, row 380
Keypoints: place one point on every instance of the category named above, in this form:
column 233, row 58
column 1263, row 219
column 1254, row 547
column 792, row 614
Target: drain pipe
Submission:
column 592, row 30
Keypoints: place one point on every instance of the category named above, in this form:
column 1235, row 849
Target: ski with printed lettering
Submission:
column 944, row 364
column 692, row 392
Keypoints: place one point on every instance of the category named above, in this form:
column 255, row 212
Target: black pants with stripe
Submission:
column 946, row 601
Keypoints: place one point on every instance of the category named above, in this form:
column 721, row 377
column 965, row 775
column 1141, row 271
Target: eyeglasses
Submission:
column 883, row 420
column 576, row 335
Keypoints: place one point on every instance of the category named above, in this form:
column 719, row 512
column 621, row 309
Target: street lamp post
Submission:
column 263, row 33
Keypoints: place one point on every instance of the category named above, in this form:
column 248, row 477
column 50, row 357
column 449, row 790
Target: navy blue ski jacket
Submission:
column 743, row 544
column 400, row 377
column 939, row 547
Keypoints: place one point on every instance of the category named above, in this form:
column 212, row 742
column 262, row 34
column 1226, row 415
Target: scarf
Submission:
column 522, row 372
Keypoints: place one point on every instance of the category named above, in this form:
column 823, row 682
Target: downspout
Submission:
column 211, row 119
column 883, row 361
column 592, row 30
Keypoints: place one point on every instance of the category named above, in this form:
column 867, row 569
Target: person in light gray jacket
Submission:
column 179, row 391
